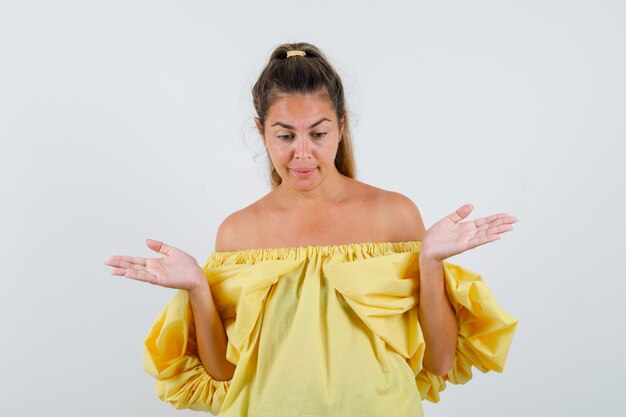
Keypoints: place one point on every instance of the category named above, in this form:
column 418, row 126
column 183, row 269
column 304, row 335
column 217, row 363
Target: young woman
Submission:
column 326, row 297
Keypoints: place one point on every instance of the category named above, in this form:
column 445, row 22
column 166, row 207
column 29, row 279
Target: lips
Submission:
column 302, row 172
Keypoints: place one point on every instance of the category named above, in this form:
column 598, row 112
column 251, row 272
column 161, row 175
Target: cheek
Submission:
column 328, row 153
column 280, row 155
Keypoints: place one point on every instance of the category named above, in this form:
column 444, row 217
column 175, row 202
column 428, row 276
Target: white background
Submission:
column 127, row 120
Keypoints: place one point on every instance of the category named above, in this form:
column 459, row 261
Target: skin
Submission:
column 302, row 132
column 322, row 208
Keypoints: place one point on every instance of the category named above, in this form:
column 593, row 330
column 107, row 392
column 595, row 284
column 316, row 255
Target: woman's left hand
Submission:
column 449, row 236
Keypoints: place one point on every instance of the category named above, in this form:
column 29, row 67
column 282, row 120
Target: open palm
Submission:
column 175, row 269
column 449, row 236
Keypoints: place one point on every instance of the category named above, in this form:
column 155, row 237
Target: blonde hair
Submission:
column 308, row 74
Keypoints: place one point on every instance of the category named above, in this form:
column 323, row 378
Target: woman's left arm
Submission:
column 446, row 238
column 437, row 318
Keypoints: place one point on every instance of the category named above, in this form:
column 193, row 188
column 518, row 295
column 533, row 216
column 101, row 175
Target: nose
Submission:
column 302, row 150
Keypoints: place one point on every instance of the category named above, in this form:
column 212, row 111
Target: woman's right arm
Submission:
column 177, row 269
column 211, row 337
column 210, row 333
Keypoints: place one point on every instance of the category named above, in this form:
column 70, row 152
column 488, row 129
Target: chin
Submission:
column 302, row 185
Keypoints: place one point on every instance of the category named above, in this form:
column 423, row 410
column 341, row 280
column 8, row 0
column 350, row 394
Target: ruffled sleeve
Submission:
column 239, row 287
column 384, row 292
column 485, row 332
column 171, row 356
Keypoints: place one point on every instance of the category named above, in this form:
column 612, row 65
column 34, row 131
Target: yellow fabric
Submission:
column 323, row 331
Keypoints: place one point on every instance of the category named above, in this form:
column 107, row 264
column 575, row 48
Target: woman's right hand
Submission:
column 175, row 269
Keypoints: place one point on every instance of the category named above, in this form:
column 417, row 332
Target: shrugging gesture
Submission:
column 449, row 236
column 175, row 269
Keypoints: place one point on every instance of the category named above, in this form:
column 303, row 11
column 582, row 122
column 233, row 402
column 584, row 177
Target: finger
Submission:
column 118, row 260
column 482, row 239
column 499, row 219
column 503, row 217
column 486, row 220
column 130, row 265
column 141, row 275
column 489, row 235
column 122, row 268
column 499, row 229
column 461, row 213
column 118, row 271
column 158, row 246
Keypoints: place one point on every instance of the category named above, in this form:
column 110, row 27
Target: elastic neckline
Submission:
column 324, row 248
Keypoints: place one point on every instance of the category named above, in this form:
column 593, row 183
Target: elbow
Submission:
column 441, row 370
column 441, row 365
column 225, row 374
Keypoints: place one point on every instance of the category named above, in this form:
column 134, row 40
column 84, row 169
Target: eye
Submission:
column 319, row 135
column 285, row 138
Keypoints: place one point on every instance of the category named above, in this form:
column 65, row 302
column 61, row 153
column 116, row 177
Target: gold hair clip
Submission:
column 294, row 53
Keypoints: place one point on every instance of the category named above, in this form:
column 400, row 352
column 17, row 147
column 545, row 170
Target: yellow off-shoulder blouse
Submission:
column 323, row 331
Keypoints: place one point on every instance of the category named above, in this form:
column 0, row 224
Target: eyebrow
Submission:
column 286, row 126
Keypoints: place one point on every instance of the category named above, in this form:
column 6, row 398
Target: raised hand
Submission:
column 175, row 269
column 449, row 236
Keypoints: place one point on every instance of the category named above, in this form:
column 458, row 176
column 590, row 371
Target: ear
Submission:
column 259, row 127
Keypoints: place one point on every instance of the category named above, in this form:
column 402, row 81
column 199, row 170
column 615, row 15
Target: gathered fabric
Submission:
column 323, row 331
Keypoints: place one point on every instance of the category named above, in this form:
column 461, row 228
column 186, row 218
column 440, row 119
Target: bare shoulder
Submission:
column 237, row 230
column 399, row 214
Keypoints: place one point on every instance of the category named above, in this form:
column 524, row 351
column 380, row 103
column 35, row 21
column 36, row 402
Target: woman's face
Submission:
column 302, row 134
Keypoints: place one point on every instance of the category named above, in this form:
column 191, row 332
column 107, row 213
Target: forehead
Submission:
column 300, row 109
